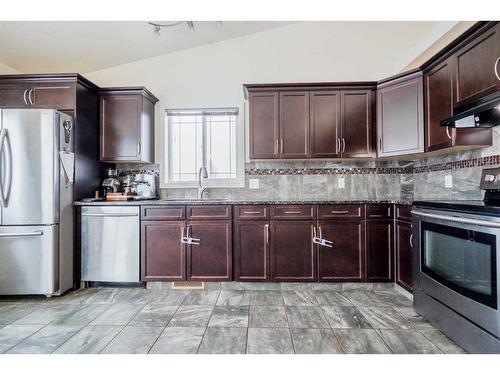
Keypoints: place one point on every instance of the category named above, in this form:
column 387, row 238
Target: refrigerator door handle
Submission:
column 3, row 134
column 23, row 234
column 6, row 167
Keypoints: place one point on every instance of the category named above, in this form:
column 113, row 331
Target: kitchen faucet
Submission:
column 202, row 173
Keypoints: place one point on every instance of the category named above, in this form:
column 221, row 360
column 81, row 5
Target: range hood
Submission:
column 482, row 113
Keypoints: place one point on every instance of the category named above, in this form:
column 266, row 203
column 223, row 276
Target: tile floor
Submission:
column 228, row 318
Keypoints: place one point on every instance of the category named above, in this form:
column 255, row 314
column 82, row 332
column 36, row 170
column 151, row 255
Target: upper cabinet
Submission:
column 127, row 125
column 300, row 122
column 400, row 116
column 24, row 92
column 264, row 125
column 357, row 123
column 324, row 124
column 476, row 66
column 463, row 74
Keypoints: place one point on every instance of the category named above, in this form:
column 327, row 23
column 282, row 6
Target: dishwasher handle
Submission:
column 111, row 214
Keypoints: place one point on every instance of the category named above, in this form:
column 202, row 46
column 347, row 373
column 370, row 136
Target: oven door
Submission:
column 457, row 264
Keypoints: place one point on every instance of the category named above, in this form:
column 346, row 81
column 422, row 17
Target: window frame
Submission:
column 238, row 181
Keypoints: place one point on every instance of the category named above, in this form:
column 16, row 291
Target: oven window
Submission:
column 463, row 260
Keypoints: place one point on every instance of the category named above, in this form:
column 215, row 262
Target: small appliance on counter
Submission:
column 111, row 184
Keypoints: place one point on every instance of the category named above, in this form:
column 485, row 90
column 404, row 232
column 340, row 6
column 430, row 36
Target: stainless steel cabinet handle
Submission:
column 23, row 234
column 251, row 212
column 266, row 229
column 337, row 150
column 339, row 212
column 380, row 144
column 277, row 146
column 314, row 233
column 495, row 68
column 281, row 143
column 138, row 148
column 29, row 97
column 111, row 214
column 454, row 219
column 448, row 132
column 320, row 234
column 293, row 212
column 24, row 97
column 411, row 240
column 343, row 144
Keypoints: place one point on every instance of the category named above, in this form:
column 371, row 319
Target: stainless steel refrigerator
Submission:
column 36, row 197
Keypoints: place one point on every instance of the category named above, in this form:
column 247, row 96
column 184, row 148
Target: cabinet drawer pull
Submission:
column 252, row 212
column 29, row 97
column 293, row 212
column 343, row 145
column 277, row 146
column 281, row 143
column 337, row 150
column 24, row 97
column 495, row 68
column 448, row 132
column 266, row 229
column 339, row 212
column 411, row 240
column 377, row 215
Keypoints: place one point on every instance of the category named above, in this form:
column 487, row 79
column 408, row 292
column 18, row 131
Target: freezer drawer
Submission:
column 29, row 259
column 110, row 244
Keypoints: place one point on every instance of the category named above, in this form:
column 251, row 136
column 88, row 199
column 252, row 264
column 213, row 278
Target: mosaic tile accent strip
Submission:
column 459, row 164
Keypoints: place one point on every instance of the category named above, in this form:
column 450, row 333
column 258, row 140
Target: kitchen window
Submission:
column 210, row 138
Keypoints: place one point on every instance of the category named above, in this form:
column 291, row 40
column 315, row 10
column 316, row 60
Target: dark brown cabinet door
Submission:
column 211, row 259
column 293, row 254
column 400, row 117
column 120, row 127
column 325, row 123
column 251, row 250
column 379, row 249
column 344, row 261
column 162, row 253
column 14, row 96
column 438, row 105
column 357, row 126
column 477, row 67
column 264, row 125
column 52, row 95
column 294, row 124
column 404, row 255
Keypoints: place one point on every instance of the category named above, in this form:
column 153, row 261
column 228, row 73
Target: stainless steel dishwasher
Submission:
column 110, row 244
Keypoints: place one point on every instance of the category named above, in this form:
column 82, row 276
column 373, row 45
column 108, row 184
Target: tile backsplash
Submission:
column 378, row 180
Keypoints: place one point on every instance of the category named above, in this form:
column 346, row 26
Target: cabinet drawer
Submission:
column 163, row 213
column 341, row 211
column 403, row 212
column 293, row 212
column 251, row 212
column 379, row 211
column 208, row 212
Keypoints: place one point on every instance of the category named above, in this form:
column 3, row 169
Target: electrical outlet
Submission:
column 448, row 181
column 341, row 182
column 253, row 183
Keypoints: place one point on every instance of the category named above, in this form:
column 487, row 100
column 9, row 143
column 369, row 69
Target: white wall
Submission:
column 5, row 69
column 212, row 75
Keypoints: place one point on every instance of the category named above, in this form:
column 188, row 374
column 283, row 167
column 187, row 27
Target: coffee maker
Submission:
column 111, row 184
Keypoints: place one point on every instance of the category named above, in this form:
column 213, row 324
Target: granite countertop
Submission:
column 164, row 202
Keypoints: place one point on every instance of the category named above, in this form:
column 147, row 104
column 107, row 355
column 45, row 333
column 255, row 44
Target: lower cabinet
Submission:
column 211, row 258
column 166, row 257
column 293, row 254
column 344, row 261
column 163, row 256
column 251, row 251
column 404, row 255
column 379, row 251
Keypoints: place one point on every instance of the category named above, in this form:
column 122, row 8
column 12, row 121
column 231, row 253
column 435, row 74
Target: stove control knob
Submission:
column 490, row 177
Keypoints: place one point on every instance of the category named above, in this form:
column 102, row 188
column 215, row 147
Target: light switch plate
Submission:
column 448, row 181
column 341, row 182
column 253, row 183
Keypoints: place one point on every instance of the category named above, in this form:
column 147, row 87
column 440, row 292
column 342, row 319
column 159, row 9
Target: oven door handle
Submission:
column 455, row 219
